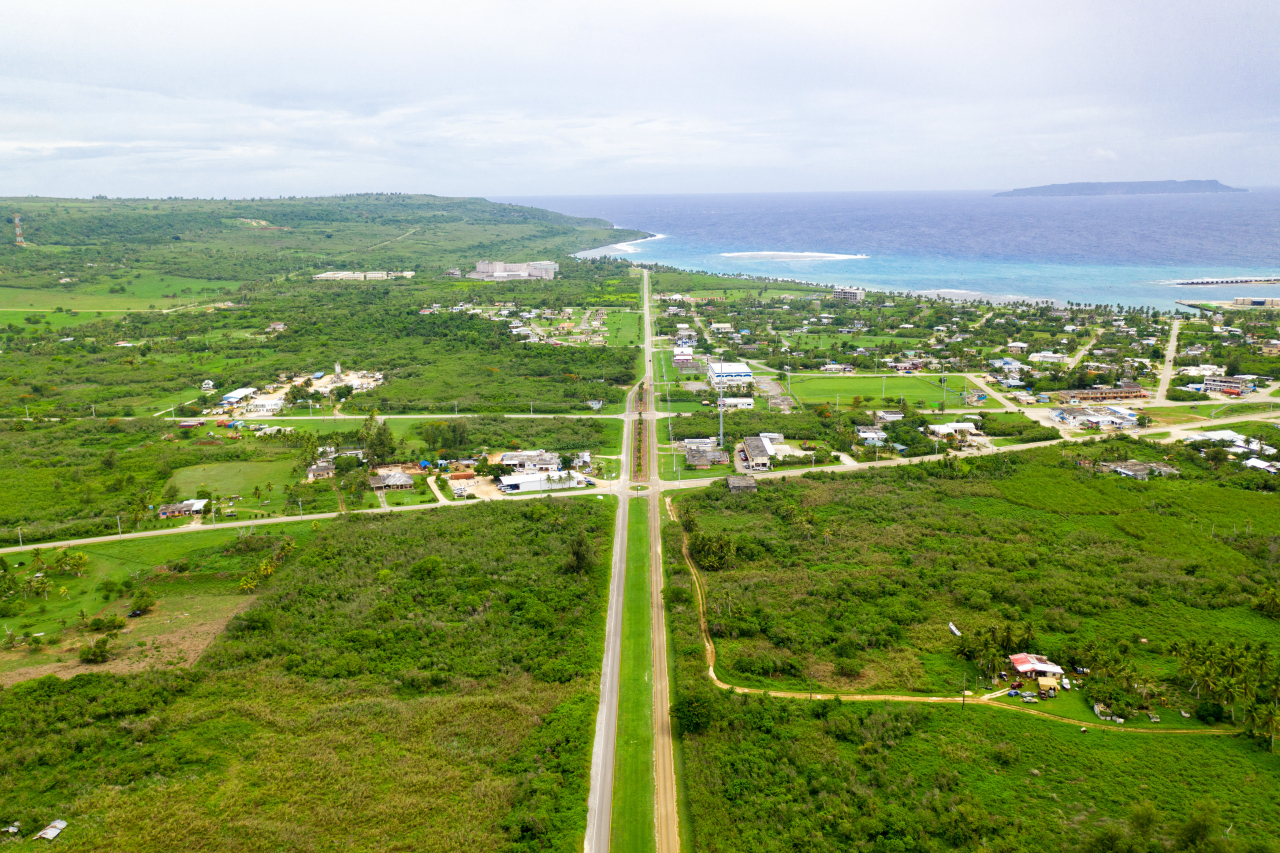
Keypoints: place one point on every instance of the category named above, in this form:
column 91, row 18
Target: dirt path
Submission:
column 392, row 240
column 700, row 594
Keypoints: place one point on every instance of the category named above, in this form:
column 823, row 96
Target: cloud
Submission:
column 496, row 97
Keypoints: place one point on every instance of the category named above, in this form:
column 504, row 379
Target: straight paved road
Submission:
column 665, row 812
column 1166, row 373
column 600, row 794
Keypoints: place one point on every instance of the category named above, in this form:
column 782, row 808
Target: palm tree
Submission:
column 77, row 563
column 1006, row 638
column 1027, row 638
column 1265, row 720
column 1234, row 690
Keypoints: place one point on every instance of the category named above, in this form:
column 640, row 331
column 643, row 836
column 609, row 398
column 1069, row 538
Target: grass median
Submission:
column 632, row 824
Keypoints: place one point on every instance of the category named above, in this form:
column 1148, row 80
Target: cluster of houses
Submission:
column 1248, row 450
column 1095, row 417
column 271, row 399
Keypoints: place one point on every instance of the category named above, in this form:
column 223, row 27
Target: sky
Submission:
column 248, row 99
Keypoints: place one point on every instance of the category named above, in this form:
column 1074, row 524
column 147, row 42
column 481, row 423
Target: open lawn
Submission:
column 669, row 462
column 234, row 478
column 823, row 389
column 624, row 328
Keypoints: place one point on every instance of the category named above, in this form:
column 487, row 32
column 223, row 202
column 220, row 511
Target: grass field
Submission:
column 144, row 289
column 668, row 463
column 823, row 389
column 234, row 478
column 191, row 606
column 632, row 826
column 624, row 328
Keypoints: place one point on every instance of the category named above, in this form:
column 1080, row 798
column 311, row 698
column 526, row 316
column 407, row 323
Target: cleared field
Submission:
column 191, row 605
column 823, row 389
column 233, row 478
column 143, row 289
column 624, row 328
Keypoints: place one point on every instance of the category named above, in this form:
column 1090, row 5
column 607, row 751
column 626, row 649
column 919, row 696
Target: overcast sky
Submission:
column 472, row 97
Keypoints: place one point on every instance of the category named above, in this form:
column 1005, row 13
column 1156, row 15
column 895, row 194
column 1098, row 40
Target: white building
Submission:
column 682, row 355
column 1047, row 357
column 347, row 275
column 851, row 294
column 735, row 403
column 726, row 374
column 239, row 395
column 542, row 482
column 499, row 271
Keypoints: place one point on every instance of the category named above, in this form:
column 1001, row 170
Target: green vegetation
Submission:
column 443, row 678
column 459, row 438
column 193, row 582
column 853, row 578
column 73, row 479
column 632, row 825
column 848, row 581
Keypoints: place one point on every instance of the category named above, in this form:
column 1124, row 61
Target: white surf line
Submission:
column 792, row 256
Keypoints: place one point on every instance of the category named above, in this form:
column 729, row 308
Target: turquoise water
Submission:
column 1110, row 250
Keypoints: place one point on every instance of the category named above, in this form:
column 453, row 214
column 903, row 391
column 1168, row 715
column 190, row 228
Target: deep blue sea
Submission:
column 1108, row 249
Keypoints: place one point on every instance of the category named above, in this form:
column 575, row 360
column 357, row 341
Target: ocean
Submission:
column 1128, row 250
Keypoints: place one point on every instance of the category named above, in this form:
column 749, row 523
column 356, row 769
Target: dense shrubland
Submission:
column 450, row 656
column 854, row 577
column 837, row 580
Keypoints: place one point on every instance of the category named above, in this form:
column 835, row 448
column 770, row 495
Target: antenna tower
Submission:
column 17, row 230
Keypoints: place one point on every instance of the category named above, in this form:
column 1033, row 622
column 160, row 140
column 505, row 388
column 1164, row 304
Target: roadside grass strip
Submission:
column 632, row 825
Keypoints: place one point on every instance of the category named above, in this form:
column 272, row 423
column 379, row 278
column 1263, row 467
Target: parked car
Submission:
column 1014, row 693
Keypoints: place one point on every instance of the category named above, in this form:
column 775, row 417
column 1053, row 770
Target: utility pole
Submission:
column 119, row 529
column 299, row 508
column 964, row 688
column 20, row 537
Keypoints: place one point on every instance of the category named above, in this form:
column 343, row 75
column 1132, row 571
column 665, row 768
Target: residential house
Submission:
column 180, row 510
column 391, row 481
column 322, row 470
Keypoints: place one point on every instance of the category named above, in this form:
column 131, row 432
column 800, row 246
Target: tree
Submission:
column 143, row 601
column 581, row 554
column 1268, row 601
column 95, row 652
column 381, row 445
column 1265, row 720
column 711, row 551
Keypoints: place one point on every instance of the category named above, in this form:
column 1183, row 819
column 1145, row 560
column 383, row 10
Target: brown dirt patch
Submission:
column 173, row 635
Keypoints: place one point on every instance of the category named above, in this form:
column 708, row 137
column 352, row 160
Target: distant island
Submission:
column 1124, row 188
